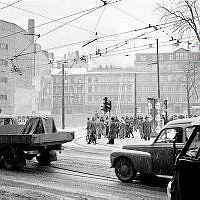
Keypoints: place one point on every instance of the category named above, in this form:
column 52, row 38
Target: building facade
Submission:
column 19, row 61
column 128, row 88
column 176, row 74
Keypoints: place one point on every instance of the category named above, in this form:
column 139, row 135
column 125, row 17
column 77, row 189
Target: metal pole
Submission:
column 158, row 69
column 135, row 96
column 63, row 96
column 166, row 120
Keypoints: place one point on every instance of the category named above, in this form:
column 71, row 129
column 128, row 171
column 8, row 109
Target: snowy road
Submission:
column 81, row 172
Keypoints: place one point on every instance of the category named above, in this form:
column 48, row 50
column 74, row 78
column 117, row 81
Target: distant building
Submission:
column 19, row 63
column 127, row 88
column 172, row 77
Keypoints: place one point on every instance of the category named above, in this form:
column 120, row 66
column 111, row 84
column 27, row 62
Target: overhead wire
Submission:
column 53, row 20
column 8, row 5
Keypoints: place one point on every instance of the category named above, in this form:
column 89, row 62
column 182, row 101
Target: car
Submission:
column 155, row 158
column 184, row 184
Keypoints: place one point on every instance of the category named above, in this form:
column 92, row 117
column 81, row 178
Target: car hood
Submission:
column 137, row 147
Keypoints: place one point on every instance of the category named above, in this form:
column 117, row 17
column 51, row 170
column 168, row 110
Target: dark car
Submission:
column 155, row 158
column 186, row 172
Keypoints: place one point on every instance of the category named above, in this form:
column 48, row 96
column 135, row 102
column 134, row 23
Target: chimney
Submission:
column 31, row 28
column 77, row 55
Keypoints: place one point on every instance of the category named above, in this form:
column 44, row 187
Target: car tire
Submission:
column 124, row 170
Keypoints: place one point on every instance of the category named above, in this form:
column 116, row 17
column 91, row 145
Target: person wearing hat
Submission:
column 112, row 132
column 146, row 129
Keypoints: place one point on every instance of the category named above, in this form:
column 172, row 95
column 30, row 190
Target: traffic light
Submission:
column 109, row 106
column 104, row 106
column 165, row 103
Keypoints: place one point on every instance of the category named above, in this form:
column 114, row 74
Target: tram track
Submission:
column 137, row 184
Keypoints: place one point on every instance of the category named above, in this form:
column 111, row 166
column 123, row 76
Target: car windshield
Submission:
column 168, row 135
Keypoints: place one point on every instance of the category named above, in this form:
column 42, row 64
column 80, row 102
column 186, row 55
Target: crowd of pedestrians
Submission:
column 123, row 127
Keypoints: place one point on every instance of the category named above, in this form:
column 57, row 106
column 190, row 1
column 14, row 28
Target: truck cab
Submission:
column 156, row 157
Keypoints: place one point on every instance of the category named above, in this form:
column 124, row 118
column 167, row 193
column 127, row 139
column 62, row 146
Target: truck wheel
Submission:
column 9, row 160
column 124, row 170
column 43, row 159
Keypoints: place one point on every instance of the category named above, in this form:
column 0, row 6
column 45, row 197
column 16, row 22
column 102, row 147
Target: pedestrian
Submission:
column 139, row 127
column 122, row 128
column 112, row 131
column 107, row 126
column 98, row 128
column 147, row 129
column 92, row 136
column 130, row 128
column 88, row 126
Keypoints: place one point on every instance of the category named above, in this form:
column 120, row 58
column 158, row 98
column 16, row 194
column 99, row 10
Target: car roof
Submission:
column 7, row 116
column 183, row 122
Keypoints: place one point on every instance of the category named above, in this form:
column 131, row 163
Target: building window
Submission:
column 96, row 79
column 161, row 57
column 129, row 98
column 129, row 88
column 89, row 98
column 3, row 46
column 142, row 58
column 115, row 98
column 4, row 62
column 3, row 97
column 171, row 57
column 154, row 58
column 89, row 89
column 89, row 79
column 3, row 79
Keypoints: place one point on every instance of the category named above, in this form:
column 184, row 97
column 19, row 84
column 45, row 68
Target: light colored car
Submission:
column 156, row 158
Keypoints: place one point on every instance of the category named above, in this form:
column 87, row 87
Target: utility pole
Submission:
column 135, row 96
column 63, row 96
column 158, row 68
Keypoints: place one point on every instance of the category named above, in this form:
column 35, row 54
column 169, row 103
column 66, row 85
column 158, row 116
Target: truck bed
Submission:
column 43, row 139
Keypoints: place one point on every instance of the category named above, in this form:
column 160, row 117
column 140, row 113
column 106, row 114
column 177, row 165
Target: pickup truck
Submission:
column 37, row 138
column 153, row 158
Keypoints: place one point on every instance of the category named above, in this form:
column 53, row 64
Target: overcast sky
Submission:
column 119, row 17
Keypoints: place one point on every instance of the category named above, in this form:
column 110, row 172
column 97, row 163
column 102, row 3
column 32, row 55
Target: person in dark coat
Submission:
column 92, row 131
column 112, row 132
column 146, row 129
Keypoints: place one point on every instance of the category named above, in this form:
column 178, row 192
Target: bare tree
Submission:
column 182, row 15
column 190, row 80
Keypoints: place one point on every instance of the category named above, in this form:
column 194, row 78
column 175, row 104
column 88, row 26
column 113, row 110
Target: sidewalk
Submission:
column 118, row 143
column 126, row 141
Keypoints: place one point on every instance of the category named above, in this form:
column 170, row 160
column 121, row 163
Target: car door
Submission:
column 162, row 151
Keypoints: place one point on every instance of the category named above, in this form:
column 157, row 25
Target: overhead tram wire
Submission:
column 58, row 28
column 58, row 20
column 125, row 52
column 9, row 5
column 53, row 20
column 63, row 46
column 73, row 20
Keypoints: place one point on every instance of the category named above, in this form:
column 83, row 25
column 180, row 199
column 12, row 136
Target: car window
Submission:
column 188, row 131
column 194, row 148
column 168, row 135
